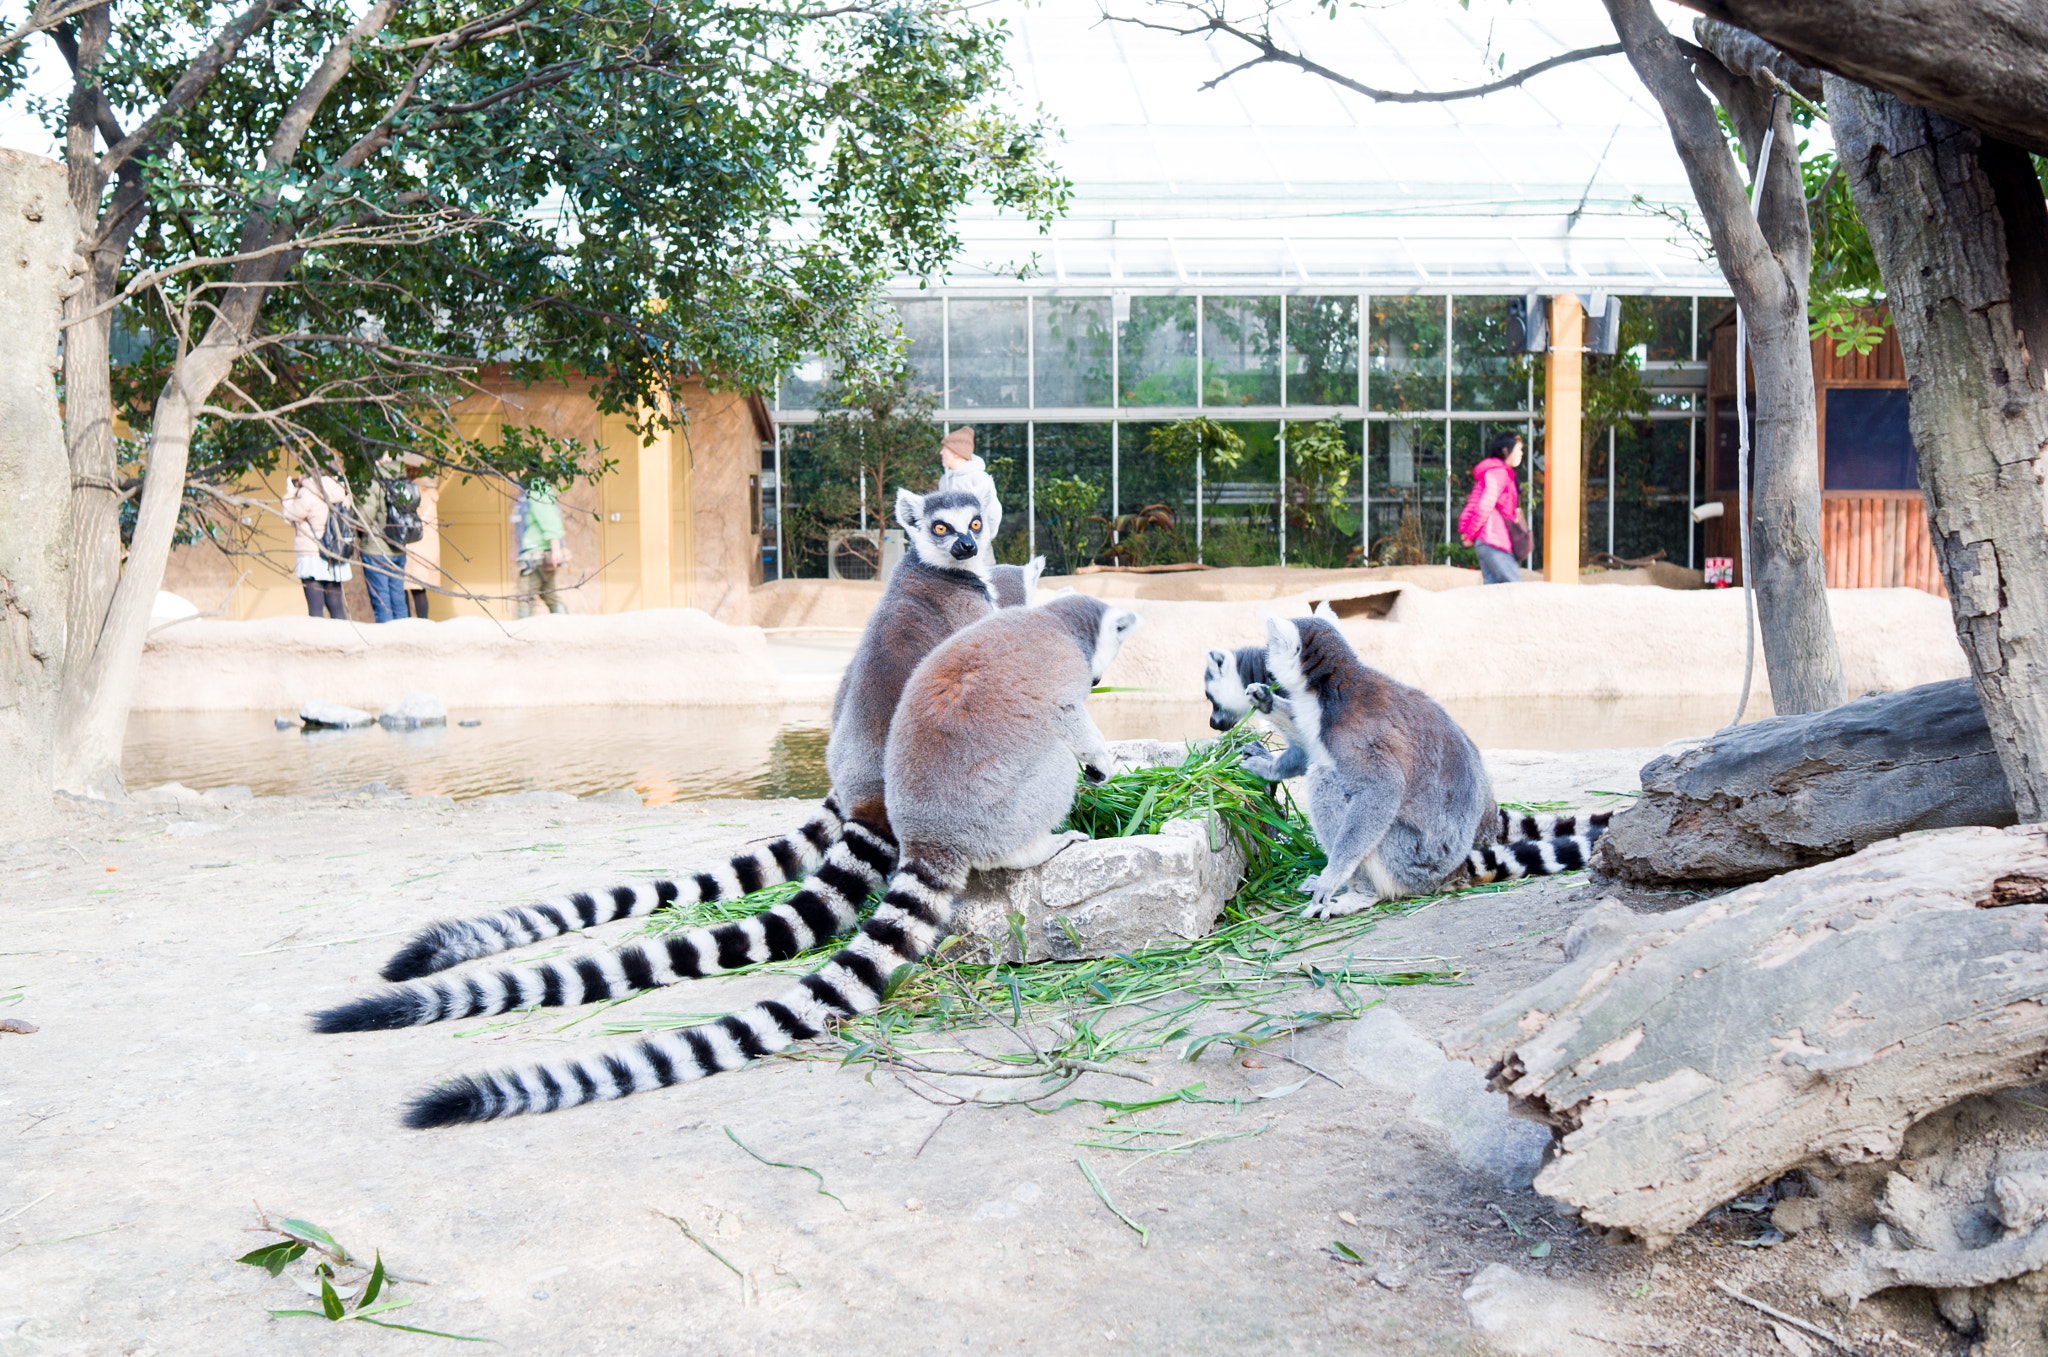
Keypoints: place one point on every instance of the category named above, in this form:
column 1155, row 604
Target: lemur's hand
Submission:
column 1261, row 696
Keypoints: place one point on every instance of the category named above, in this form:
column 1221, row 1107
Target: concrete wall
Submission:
column 695, row 545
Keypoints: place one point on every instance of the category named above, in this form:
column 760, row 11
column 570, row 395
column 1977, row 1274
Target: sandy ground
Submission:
column 168, row 954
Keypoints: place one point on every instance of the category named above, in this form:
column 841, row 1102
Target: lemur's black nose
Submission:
column 963, row 547
column 1220, row 720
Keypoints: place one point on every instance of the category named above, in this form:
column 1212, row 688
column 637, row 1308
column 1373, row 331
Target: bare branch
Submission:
column 1272, row 53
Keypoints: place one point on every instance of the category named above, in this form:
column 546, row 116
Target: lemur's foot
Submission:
column 1324, row 904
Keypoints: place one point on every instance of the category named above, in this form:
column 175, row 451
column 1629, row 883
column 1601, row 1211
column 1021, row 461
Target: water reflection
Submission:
column 687, row 753
column 664, row 753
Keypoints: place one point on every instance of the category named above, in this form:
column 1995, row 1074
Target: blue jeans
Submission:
column 1496, row 566
column 384, row 576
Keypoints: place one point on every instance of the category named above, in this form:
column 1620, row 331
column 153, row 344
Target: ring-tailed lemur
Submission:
column 1396, row 792
column 919, row 608
column 934, row 591
column 981, row 758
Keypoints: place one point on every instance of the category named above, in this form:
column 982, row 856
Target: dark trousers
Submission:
column 418, row 598
column 324, row 597
column 384, row 577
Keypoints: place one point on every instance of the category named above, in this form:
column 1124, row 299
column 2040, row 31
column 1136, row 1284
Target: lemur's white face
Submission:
column 1116, row 627
column 946, row 530
column 1228, row 701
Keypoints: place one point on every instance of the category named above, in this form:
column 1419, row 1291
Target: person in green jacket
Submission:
column 541, row 548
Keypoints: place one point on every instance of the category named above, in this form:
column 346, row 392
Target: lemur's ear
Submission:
column 1323, row 609
column 1281, row 636
column 909, row 507
column 1217, row 659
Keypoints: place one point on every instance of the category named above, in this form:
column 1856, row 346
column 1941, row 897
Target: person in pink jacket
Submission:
column 1491, row 508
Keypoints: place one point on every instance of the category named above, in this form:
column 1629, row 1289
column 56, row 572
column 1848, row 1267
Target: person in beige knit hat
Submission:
column 965, row 471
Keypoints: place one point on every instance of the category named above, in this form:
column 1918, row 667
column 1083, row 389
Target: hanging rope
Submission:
column 1756, row 193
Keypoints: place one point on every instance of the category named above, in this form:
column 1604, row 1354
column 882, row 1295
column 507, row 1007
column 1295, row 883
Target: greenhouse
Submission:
column 1280, row 313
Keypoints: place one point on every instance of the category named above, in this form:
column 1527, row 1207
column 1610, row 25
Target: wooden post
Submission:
column 1561, row 395
column 655, row 519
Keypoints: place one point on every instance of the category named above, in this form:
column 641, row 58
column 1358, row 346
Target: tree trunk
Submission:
column 1766, row 260
column 1960, row 232
column 1815, row 1016
column 38, row 232
column 95, row 713
column 95, row 509
column 1981, row 62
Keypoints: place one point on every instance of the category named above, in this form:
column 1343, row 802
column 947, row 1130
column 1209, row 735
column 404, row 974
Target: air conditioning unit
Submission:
column 853, row 554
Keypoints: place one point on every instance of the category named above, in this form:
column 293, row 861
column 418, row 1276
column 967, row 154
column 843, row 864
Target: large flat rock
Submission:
column 1798, row 790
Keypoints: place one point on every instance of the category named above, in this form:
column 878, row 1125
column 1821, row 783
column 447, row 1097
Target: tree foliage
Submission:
column 623, row 190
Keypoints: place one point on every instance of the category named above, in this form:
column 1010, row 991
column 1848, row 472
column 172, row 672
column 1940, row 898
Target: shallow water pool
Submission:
column 690, row 753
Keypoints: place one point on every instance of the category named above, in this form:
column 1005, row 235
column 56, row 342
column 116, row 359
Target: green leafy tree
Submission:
column 874, row 434
column 318, row 220
column 1200, row 445
column 1065, row 504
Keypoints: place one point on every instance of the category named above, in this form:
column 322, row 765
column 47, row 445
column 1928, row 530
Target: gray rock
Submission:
column 238, row 792
column 1798, row 790
column 169, row 791
column 332, row 715
column 1154, row 753
column 468, row 721
column 617, row 796
column 1102, row 897
column 418, row 709
column 283, row 722
column 1538, row 1317
column 372, row 791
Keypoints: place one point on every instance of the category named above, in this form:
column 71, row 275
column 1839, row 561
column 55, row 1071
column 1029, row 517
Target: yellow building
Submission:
column 675, row 524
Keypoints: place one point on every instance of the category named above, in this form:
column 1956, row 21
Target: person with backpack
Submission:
column 1492, row 522
column 423, row 558
column 392, row 522
column 323, row 539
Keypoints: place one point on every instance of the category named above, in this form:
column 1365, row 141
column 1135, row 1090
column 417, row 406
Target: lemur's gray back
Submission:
column 1363, row 714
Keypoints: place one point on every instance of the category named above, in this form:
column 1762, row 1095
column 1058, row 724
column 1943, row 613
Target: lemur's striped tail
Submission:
column 1516, row 825
column 448, row 944
column 910, row 921
column 1531, row 857
column 827, row 906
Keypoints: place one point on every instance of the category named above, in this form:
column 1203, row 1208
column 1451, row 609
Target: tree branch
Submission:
column 1271, row 53
column 192, row 83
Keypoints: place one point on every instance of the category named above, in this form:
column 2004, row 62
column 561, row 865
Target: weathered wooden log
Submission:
column 1687, row 1056
column 1798, row 790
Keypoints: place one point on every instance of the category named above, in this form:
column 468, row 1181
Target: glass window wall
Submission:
column 1156, row 352
column 989, row 347
column 1322, row 350
column 1071, row 351
column 1406, row 344
column 1240, row 351
column 1228, row 479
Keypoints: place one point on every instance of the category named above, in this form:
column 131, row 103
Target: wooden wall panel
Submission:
column 1878, row 543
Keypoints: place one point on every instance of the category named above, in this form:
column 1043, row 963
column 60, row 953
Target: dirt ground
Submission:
column 167, row 956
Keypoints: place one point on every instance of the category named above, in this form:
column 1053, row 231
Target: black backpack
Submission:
column 338, row 538
column 402, row 522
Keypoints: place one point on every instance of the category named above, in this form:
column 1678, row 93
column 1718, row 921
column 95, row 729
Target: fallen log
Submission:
column 1798, row 790
column 1814, row 1017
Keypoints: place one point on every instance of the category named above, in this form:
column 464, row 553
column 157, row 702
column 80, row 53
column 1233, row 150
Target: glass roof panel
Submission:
column 1279, row 179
